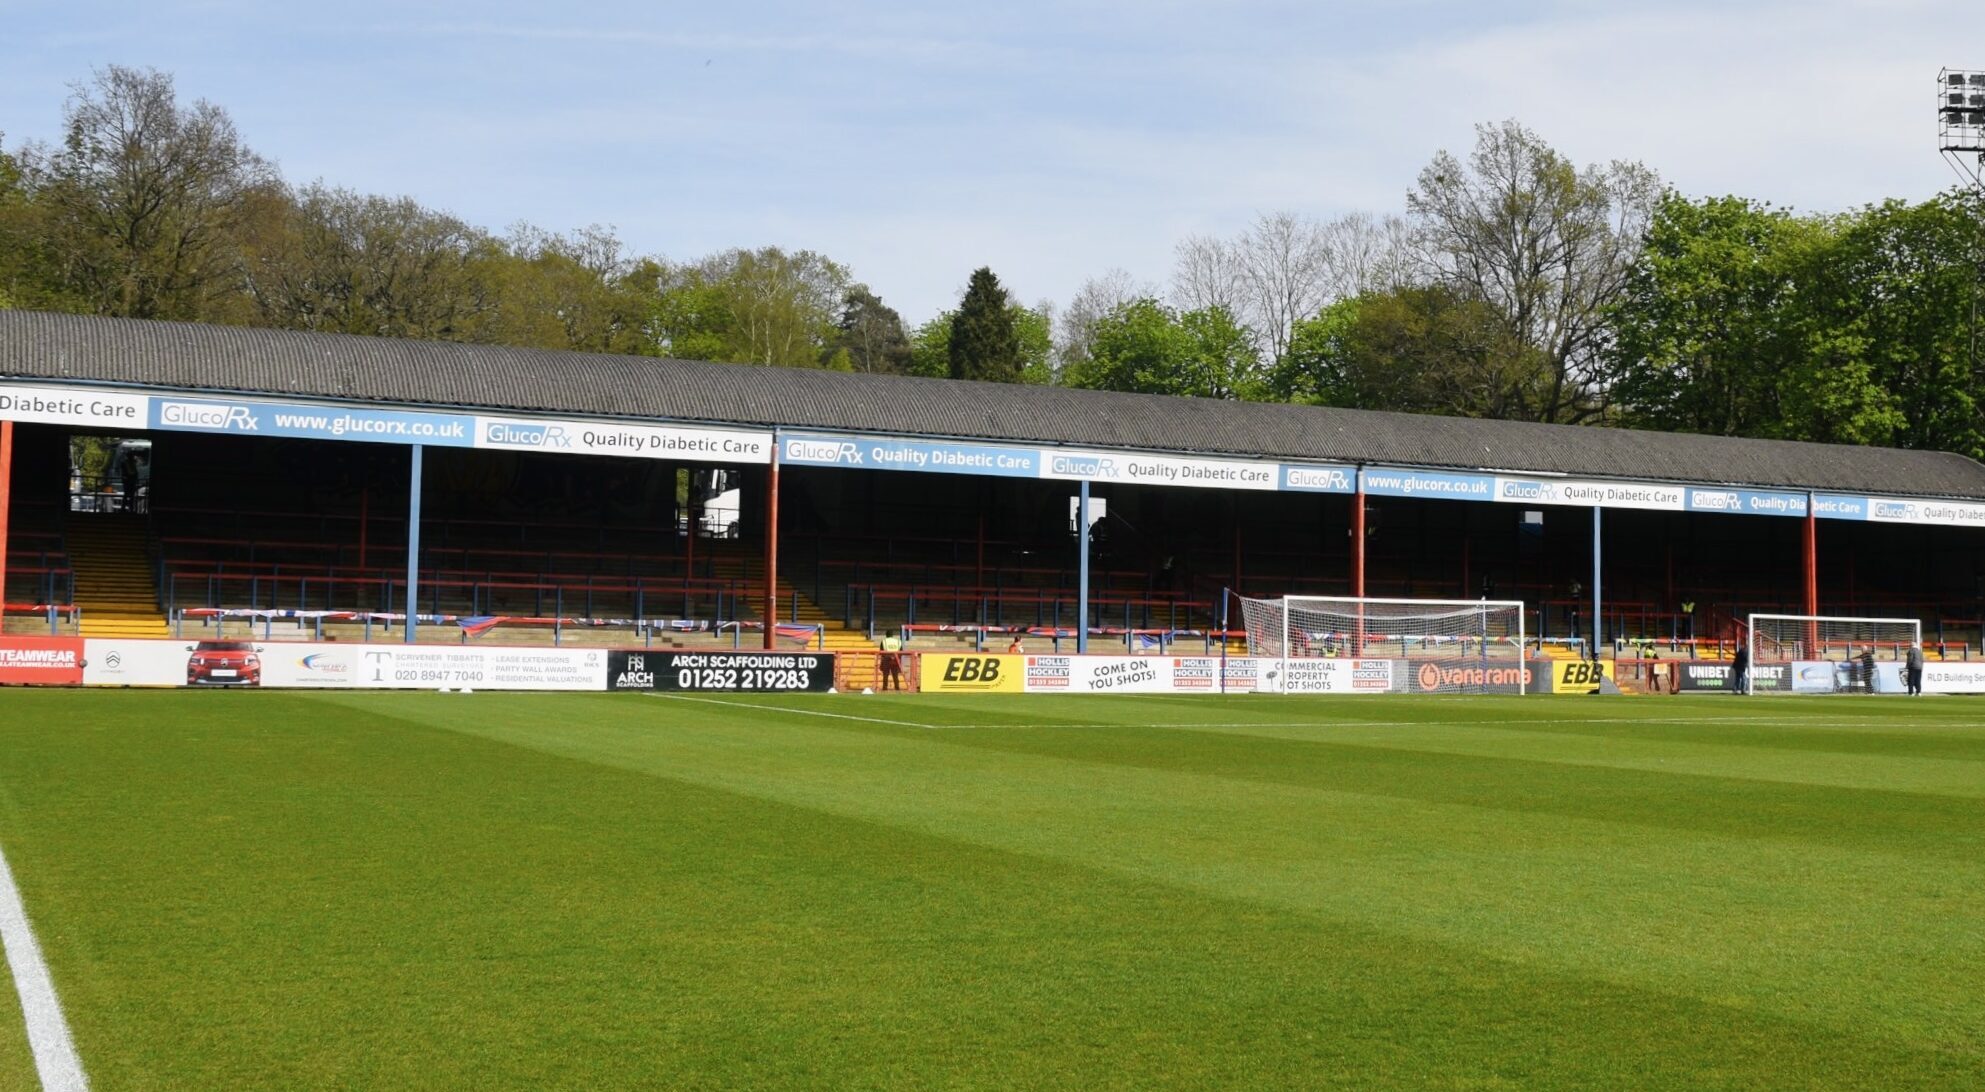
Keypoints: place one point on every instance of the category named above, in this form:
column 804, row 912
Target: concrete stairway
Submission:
column 115, row 586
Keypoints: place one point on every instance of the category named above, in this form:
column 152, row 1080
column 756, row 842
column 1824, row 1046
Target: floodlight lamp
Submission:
column 1955, row 79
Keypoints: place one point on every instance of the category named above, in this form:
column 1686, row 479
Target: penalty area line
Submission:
column 795, row 712
column 55, row 1058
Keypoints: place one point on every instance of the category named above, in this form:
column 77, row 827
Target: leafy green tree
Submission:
column 1746, row 320
column 764, row 306
column 1149, row 348
column 340, row 261
column 930, row 347
column 1033, row 333
column 1707, row 335
column 576, row 291
column 1424, row 349
column 1897, row 284
column 983, row 342
column 146, row 198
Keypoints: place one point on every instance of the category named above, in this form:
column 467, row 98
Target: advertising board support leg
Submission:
column 1598, row 625
column 6, row 500
column 1223, row 639
column 413, row 541
column 1082, row 571
column 772, row 553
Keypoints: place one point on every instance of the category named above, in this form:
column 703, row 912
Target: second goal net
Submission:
column 1424, row 645
column 1829, row 654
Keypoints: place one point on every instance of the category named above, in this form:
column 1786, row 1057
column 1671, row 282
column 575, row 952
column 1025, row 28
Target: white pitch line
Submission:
column 55, row 1056
column 795, row 712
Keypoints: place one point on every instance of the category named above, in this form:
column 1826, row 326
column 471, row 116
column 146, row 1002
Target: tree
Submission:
column 1097, row 297
column 1363, row 253
column 1285, row 263
column 1206, row 272
column 577, row 292
column 983, row 342
column 25, row 266
column 146, row 197
column 930, row 347
column 1425, row 349
column 870, row 333
column 1899, row 279
column 1546, row 246
column 1149, row 348
column 1034, row 337
column 340, row 261
column 1706, row 334
column 1747, row 320
column 764, row 306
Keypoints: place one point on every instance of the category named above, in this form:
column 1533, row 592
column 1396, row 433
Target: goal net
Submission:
column 1343, row 644
column 1820, row 654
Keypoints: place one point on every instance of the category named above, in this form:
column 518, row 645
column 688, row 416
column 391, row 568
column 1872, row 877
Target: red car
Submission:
column 223, row 663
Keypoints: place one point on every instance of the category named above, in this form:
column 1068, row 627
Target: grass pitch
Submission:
column 590, row 891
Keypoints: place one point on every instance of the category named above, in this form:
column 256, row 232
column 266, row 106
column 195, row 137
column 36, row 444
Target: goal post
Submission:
column 1827, row 654
column 1430, row 645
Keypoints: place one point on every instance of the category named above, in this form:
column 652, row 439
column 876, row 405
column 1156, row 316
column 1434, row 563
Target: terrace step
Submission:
column 115, row 586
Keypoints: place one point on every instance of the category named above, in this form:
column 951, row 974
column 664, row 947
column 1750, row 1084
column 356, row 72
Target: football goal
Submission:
column 1325, row 644
column 1822, row 654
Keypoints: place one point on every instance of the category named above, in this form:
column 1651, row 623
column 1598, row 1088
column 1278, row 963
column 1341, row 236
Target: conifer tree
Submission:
column 983, row 342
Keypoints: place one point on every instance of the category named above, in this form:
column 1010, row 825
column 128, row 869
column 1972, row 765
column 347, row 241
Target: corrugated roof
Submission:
column 187, row 356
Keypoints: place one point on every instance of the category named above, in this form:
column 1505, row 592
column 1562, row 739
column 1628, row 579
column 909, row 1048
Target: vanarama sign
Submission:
column 1432, row 677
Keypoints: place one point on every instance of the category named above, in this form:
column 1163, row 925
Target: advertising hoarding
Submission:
column 1338, row 676
column 247, row 417
column 886, row 453
column 1717, row 677
column 324, row 665
column 625, row 440
column 720, row 672
column 1953, row 678
column 75, row 406
column 41, row 661
column 976, row 674
column 1580, row 676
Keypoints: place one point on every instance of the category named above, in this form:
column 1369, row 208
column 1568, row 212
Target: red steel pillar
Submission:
column 772, row 552
column 6, row 498
column 1358, row 536
column 1358, row 558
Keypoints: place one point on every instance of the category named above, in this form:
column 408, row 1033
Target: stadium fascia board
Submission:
column 111, row 406
column 104, row 406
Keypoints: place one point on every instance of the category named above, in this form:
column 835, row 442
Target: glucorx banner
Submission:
column 720, row 672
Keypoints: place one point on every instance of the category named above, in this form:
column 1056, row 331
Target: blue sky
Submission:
column 1053, row 142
